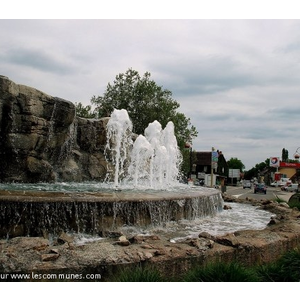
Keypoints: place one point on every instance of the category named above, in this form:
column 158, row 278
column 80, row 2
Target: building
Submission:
column 207, row 163
column 289, row 170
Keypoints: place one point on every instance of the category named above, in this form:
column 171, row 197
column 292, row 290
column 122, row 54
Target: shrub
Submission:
column 286, row 269
column 222, row 272
column 138, row 274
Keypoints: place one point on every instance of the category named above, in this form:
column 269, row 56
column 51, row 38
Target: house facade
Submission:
column 289, row 170
column 207, row 163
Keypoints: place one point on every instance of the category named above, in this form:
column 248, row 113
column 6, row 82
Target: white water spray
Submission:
column 154, row 158
column 119, row 129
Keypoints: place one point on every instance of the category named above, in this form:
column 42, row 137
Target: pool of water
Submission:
column 240, row 217
column 89, row 186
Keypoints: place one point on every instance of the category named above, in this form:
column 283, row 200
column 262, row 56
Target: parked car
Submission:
column 281, row 182
column 246, row 184
column 292, row 187
column 260, row 188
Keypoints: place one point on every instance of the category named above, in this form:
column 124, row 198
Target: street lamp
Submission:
column 296, row 154
column 189, row 146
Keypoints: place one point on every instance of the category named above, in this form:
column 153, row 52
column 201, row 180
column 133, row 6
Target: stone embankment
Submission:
column 42, row 139
column 101, row 259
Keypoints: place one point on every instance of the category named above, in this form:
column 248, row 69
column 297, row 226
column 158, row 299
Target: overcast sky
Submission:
column 237, row 80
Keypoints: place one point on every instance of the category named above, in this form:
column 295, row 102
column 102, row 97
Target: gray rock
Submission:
column 41, row 139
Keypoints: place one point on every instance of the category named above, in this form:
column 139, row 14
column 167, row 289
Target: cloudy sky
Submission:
column 238, row 80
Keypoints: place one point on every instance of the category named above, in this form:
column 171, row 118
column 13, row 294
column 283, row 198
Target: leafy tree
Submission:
column 285, row 155
column 257, row 169
column 251, row 173
column 145, row 102
column 84, row 111
column 235, row 163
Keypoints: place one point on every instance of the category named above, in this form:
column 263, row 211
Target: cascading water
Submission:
column 149, row 165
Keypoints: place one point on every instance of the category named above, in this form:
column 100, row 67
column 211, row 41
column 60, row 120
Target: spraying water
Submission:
column 119, row 129
column 154, row 159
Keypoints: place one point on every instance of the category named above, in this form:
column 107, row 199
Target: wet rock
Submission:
column 226, row 207
column 284, row 204
column 200, row 243
column 55, row 251
column 123, row 241
column 159, row 252
column 145, row 255
column 266, row 202
column 49, row 256
column 146, row 246
column 206, row 235
column 228, row 240
column 65, row 238
column 111, row 234
column 138, row 239
column 273, row 221
column 148, row 255
column 28, row 243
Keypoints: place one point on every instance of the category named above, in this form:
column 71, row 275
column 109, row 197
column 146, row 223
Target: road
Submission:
column 272, row 193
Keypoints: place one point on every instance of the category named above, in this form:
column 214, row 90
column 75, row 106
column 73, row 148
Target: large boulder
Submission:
column 41, row 139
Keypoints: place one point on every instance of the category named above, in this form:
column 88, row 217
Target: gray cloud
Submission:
column 237, row 80
column 38, row 59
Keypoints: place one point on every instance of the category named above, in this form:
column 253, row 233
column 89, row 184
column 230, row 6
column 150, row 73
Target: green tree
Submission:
column 257, row 169
column 235, row 163
column 84, row 111
column 145, row 102
column 285, row 155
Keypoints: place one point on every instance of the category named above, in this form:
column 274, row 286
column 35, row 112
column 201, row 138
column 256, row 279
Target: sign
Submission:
column 214, row 159
column 289, row 165
column 201, row 175
column 274, row 162
column 234, row 173
column 214, row 156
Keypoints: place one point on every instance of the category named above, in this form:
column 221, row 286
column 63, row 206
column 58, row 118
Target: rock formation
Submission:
column 41, row 259
column 42, row 139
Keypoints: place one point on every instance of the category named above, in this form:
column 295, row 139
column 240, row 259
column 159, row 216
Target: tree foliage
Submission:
column 145, row 102
column 254, row 172
column 84, row 111
column 235, row 163
column 285, row 155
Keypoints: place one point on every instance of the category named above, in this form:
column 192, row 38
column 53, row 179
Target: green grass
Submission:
column 278, row 200
column 285, row 269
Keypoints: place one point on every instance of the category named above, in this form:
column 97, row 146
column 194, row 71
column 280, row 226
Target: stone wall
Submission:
column 116, row 252
column 41, row 139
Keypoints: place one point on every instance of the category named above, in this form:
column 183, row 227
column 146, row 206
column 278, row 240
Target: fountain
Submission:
column 141, row 188
column 63, row 174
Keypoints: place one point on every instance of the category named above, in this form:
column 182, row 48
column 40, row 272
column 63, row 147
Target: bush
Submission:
column 286, row 269
column 222, row 272
column 294, row 201
column 138, row 274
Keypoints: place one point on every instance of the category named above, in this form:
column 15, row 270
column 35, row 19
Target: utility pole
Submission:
column 212, row 170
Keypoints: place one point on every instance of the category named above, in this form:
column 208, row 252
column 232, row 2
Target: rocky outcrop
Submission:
column 66, row 258
column 41, row 139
